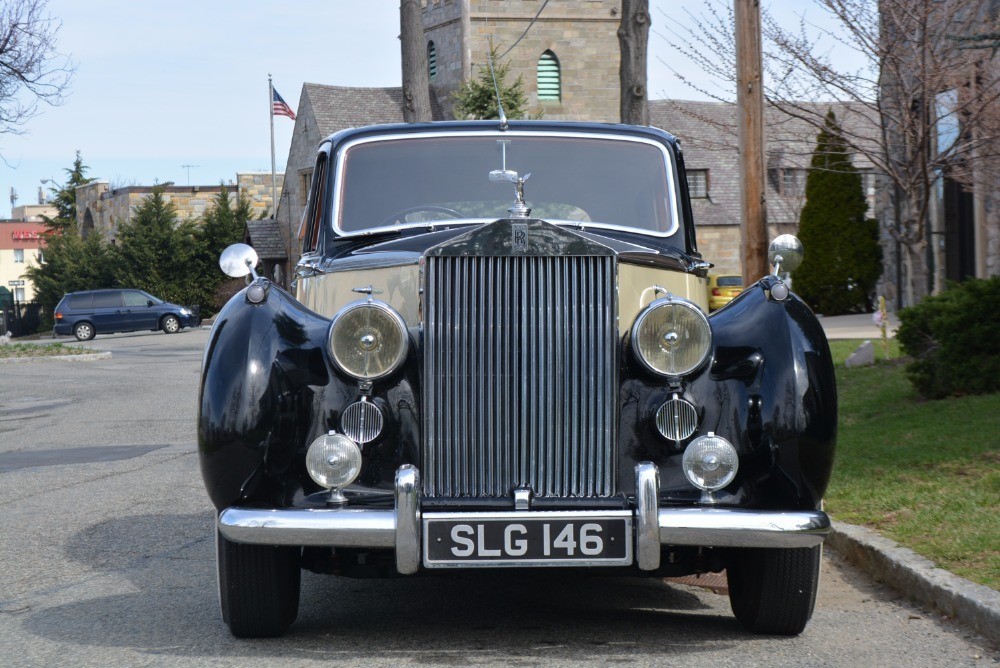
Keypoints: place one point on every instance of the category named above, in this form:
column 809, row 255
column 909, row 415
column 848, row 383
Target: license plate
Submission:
column 530, row 538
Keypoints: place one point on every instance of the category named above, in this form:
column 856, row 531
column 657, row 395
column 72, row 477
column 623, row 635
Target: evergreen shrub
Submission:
column 953, row 340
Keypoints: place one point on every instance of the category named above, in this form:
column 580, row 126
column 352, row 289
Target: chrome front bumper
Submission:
column 399, row 529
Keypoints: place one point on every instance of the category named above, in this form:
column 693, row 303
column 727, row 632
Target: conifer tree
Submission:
column 476, row 99
column 843, row 258
column 222, row 224
column 154, row 251
column 64, row 198
column 71, row 264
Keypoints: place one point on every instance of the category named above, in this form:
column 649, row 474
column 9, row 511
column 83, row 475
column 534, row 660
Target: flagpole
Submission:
column 274, row 183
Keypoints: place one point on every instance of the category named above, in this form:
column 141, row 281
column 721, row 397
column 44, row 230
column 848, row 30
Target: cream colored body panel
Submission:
column 638, row 285
column 328, row 293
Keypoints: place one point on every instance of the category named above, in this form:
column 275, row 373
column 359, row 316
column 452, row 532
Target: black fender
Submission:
column 263, row 375
column 769, row 388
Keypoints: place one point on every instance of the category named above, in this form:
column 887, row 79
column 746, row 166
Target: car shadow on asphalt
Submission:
column 153, row 588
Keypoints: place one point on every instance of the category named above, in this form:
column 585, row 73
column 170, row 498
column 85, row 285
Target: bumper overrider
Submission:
column 401, row 528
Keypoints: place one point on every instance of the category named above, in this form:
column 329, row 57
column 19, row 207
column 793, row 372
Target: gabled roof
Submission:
column 705, row 128
column 338, row 107
column 265, row 237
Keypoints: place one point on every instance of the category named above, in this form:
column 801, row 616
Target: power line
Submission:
column 525, row 31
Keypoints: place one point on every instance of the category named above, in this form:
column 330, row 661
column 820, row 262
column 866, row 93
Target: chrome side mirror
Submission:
column 238, row 260
column 785, row 253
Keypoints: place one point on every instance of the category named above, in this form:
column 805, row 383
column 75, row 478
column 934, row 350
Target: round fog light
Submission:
column 710, row 462
column 333, row 461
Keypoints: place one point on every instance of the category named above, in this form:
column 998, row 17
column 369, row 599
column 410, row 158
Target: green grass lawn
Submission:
column 923, row 473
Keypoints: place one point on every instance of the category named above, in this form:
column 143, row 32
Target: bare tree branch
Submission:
column 919, row 105
column 32, row 70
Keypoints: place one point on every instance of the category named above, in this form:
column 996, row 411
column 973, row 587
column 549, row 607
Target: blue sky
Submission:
column 156, row 89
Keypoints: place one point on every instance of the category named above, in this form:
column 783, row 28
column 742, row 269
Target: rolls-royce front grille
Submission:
column 520, row 376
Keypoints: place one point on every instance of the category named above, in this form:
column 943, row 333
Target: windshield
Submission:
column 416, row 181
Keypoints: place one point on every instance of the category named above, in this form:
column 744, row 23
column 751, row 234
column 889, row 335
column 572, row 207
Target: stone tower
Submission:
column 570, row 51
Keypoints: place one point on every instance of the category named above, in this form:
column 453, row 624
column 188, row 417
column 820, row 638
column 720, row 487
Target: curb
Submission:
column 87, row 357
column 916, row 577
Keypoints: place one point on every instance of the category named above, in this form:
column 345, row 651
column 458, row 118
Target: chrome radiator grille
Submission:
column 520, row 376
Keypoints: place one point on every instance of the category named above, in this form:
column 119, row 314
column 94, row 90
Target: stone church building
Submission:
column 567, row 56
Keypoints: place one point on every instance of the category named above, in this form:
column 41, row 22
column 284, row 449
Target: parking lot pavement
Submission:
column 108, row 559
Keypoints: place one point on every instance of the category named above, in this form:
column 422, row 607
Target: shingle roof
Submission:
column 705, row 128
column 338, row 107
column 265, row 237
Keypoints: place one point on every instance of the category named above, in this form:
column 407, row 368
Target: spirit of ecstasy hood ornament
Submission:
column 518, row 209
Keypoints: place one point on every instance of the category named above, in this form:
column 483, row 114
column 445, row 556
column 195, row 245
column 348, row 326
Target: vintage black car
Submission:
column 498, row 356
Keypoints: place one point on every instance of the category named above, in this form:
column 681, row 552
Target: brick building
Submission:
column 21, row 245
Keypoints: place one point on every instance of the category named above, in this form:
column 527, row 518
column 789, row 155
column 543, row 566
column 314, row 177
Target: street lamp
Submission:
column 41, row 196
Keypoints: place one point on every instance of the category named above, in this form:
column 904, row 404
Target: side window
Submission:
column 83, row 302
column 109, row 299
column 133, row 298
column 316, row 207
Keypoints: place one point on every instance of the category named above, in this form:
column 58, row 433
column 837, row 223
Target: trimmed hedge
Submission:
column 954, row 340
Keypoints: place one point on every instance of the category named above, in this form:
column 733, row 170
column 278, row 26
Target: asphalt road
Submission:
column 107, row 557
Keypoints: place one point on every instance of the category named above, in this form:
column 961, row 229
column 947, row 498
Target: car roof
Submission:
column 542, row 127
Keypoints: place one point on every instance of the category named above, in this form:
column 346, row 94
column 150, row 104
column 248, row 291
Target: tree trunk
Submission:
column 633, row 38
column 416, row 82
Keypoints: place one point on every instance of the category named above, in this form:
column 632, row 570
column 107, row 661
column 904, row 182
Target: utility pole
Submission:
column 750, row 109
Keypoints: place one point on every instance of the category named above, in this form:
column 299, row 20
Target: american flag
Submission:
column 279, row 107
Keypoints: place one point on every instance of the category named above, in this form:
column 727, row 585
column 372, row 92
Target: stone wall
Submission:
column 445, row 24
column 582, row 35
column 256, row 186
column 102, row 209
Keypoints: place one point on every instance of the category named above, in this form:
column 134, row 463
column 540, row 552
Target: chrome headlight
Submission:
column 368, row 340
column 672, row 337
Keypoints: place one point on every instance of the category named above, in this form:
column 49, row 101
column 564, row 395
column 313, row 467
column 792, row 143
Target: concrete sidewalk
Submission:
column 856, row 326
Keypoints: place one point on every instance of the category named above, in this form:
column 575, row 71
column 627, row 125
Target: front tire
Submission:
column 258, row 587
column 170, row 324
column 773, row 591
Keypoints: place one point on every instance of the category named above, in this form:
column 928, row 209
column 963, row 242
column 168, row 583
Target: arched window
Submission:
column 88, row 224
column 432, row 60
column 549, row 85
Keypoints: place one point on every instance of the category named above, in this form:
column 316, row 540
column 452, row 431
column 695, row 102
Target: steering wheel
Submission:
column 400, row 216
